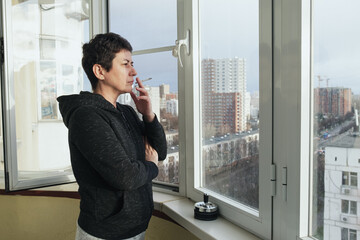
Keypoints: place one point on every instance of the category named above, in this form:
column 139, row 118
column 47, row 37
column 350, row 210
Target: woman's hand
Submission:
column 143, row 102
column 151, row 154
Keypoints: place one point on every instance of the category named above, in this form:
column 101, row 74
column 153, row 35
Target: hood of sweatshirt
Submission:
column 69, row 103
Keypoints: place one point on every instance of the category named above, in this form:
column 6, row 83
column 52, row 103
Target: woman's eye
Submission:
column 128, row 64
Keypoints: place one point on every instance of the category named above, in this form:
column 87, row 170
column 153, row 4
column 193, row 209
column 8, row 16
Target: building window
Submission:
column 348, row 234
column 349, row 207
column 349, row 179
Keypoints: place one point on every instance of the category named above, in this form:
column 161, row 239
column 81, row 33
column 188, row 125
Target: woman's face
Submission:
column 120, row 76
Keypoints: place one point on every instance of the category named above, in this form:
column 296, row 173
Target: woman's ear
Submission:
column 98, row 71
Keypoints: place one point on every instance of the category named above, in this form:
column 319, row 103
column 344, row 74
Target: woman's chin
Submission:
column 128, row 89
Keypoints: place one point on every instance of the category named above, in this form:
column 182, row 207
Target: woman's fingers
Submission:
column 150, row 153
column 139, row 82
column 142, row 91
column 134, row 97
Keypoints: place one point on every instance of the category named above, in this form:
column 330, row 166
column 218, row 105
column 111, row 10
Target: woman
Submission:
column 114, row 155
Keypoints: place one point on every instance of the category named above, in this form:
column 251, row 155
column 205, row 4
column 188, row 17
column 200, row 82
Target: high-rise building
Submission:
column 332, row 100
column 247, row 109
column 224, row 94
column 254, row 105
column 154, row 94
column 172, row 107
column 125, row 99
column 164, row 89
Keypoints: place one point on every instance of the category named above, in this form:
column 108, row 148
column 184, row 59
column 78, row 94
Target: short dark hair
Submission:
column 102, row 50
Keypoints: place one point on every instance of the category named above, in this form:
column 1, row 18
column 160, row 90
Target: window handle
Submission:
column 177, row 49
column 284, row 183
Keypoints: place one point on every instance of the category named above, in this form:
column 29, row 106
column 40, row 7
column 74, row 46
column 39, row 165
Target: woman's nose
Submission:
column 133, row 72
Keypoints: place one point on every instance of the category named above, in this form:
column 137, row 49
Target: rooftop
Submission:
column 347, row 141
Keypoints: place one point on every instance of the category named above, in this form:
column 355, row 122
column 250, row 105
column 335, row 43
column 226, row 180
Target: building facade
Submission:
column 334, row 101
column 342, row 192
column 224, row 95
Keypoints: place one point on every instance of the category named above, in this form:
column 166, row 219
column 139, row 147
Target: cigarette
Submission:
column 147, row 79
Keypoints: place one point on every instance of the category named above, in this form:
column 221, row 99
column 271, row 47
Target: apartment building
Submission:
column 224, row 94
column 341, row 199
column 332, row 100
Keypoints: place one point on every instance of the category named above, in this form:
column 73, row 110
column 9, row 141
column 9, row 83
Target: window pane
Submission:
column 146, row 24
column 47, row 50
column 353, row 207
column 336, row 101
column 230, row 99
column 344, row 206
column 345, row 178
column 352, row 234
column 353, row 179
column 344, row 234
column 163, row 92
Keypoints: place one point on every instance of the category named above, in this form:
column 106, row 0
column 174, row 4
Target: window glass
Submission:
column 230, row 99
column 353, row 207
column 353, row 179
column 352, row 234
column 47, row 40
column 348, row 234
column 349, row 179
column 345, row 178
column 152, row 27
column 163, row 92
column 344, row 234
column 145, row 24
column 336, row 102
column 344, row 206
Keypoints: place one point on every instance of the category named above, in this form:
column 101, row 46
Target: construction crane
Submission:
column 327, row 82
column 320, row 79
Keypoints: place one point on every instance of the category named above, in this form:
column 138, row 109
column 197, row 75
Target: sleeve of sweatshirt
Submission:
column 97, row 142
column 156, row 137
column 154, row 133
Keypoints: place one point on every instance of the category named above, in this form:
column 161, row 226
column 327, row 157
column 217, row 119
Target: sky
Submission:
column 146, row 25
column 337, row 43
column 230, row 29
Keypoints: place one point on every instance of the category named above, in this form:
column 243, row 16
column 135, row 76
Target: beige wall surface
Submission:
column 37, row 218
column 30, row 218
column 160, row 229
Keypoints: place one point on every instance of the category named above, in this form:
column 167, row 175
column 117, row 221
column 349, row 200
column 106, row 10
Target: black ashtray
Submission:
column 206, row 210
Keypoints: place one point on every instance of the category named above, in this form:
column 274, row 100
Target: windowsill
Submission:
column 181, row 210
column 69, row 187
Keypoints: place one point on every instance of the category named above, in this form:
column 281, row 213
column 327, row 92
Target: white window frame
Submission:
column 258, row 222
column 12, row 181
